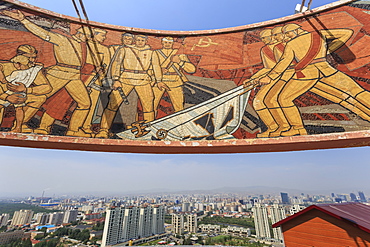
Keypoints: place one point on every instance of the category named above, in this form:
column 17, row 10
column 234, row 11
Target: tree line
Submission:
column 10, row 208
column 224, row 221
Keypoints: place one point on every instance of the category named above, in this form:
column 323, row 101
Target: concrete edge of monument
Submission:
column 308, row 142
column 296, row 143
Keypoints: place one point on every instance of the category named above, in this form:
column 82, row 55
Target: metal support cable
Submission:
column 302, row 5
column 309, row 4
column 96, row 60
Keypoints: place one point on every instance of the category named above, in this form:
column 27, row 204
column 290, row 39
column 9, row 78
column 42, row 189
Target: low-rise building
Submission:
column 92, row 216
column 236, row 231
column 7, row 237
column 208, row 228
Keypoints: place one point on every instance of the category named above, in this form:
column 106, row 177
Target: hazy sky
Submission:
column 30, row 171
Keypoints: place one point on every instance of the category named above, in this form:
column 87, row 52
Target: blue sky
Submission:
column 27, row 172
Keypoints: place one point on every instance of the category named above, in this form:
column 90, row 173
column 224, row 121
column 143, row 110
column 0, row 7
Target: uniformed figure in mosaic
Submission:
column 100, row 56
column 70, row 54
column 136, row 68
column 310, row 50
column 24, row 85
column 173, row 66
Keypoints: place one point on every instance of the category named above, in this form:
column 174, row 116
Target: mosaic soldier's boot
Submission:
column 29, row 112
column 269, row 121
column 77, row 119
column 281, row 120
column 78, row 133
column 45, row 125
column 106, row 122
column 103, row 133
column 294, row 118
column 26, row 129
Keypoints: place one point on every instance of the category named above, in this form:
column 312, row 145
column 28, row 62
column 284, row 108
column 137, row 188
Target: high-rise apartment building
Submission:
column 192, row 223
column 362, row 196
column 353, row 197
column 22, row 217
column 70, row 215
column 178, row 223
column 145, row 222
column 42, row 218
column 4, row 219
column 185, row 207
column 284, row 198
column 113, row 226
column 125, row 223
column 130, row 222
column 261, row 221
column 158, row 219
column 56, row 218
column 277, row 213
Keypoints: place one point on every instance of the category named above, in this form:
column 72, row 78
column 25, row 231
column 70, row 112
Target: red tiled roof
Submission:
column 356, row 213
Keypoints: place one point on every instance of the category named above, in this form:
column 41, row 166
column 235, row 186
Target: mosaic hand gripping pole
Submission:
column 299, row 82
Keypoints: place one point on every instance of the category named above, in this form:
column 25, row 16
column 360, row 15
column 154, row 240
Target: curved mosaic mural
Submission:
column 306, row 76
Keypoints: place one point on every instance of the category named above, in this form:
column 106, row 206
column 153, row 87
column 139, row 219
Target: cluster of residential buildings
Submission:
column 179, row 225
column 123, row 224
column 135, row 219
column 27, row 217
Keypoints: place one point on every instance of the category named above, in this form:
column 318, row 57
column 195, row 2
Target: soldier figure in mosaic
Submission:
column 70, row 54
column 266, row 99
column 269, row 60
column 135, row 67
column 57, row 105
column 126, row 39
column 98, row 55
column 309, row 50
column 173, row 66
column 23, row 85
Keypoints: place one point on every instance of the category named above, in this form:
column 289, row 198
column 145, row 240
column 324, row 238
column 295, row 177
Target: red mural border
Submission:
column 308, row 142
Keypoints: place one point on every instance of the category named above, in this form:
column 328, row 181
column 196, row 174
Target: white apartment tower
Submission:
column 178, row 223
column 185, row 207
column 112, row 233
column 277, row 213
column 158, row 220
column 42, row 218
column 261, row 221
column 4, row 219
column 145, row 222
column 70, row 215
column 130, row 223
column 56, row 218
column 192, row 223
column 22, row 217
column 125, row 223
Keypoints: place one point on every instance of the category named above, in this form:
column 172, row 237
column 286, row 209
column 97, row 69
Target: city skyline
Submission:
column 75, row 174
column 28, row 172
